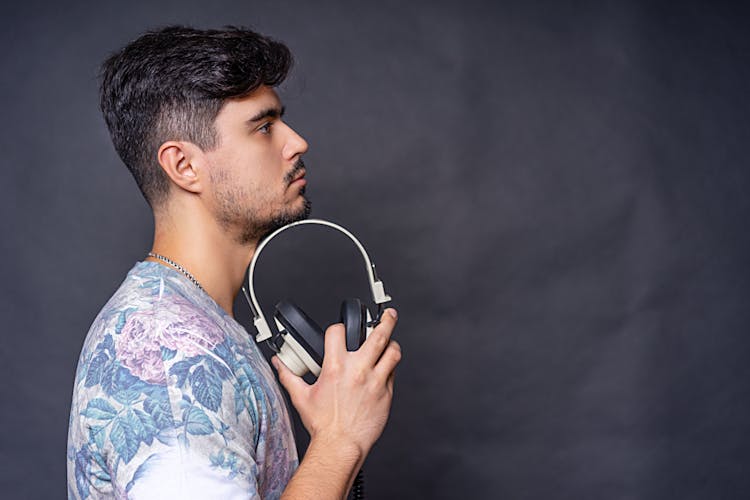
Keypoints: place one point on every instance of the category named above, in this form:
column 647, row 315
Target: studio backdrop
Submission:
column 555, row 194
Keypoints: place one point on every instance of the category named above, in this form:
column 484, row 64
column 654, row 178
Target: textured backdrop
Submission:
column 555, row 193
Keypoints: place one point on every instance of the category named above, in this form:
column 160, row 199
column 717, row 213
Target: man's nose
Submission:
column 295, row 144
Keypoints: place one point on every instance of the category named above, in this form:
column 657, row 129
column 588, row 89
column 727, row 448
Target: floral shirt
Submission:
column 173, row 399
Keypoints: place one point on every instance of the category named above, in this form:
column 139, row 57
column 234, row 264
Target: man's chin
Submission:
column 302, row 213
column 287, row 217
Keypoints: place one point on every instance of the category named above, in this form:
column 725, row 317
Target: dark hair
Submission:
column 170, row 84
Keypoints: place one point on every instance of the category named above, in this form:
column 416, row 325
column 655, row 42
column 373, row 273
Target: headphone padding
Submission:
column 354, row 317
column 304, row 330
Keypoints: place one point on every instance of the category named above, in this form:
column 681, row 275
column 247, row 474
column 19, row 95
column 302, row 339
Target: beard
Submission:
column 246, row 222
column 280, row 219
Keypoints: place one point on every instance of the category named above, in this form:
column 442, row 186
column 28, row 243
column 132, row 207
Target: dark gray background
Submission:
column 555, row 193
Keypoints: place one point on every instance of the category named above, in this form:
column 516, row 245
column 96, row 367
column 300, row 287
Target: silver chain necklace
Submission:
column 178, row 267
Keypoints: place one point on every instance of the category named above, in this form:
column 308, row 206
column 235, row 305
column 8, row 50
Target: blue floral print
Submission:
column 173, row 399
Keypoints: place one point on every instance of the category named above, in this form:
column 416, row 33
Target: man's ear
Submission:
column 183, row 163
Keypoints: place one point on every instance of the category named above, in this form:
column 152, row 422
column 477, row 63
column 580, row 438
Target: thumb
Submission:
column 294, row 385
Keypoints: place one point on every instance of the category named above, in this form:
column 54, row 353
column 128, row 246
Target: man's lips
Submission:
column 300, row 178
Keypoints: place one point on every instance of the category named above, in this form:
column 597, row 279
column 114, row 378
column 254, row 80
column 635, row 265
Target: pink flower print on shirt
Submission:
column 180, row 328
column 139, row 351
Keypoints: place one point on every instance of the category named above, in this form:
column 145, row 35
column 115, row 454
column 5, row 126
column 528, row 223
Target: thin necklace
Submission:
column 178, row 267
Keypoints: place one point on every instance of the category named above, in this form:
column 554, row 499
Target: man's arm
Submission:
column 344, row 411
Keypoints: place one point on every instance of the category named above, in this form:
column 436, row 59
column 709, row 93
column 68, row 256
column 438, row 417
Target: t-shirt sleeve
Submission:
column 159, row 412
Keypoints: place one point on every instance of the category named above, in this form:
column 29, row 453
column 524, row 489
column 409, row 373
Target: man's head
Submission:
column 172, row 87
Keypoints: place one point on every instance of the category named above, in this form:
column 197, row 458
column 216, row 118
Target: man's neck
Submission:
column 208, row 253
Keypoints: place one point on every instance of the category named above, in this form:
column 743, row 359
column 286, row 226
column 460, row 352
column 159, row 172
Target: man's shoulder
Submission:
column 144, row 288
column 147, row 325
column 154, row 297
column 150, row 311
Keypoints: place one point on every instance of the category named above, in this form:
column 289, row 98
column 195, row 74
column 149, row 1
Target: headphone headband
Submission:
column 261, row 325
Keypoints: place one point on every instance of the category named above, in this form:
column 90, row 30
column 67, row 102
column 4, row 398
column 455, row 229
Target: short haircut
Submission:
column 171, row 83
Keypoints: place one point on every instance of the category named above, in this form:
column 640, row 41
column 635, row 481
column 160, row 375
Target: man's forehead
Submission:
column 241, row 110
column 244, row 108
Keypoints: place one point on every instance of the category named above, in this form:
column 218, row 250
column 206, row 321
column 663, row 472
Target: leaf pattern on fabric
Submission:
column 206, row 388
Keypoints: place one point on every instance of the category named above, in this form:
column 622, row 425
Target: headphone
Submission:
column 299, row 342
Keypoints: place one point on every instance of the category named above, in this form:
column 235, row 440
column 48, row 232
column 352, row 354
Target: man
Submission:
column 172, row 398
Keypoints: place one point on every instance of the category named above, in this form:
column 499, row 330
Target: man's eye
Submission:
column 266, row 128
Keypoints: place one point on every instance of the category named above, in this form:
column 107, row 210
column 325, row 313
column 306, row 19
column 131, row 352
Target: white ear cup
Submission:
column 294, row 356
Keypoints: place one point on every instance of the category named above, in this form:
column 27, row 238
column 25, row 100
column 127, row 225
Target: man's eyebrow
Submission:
column 267, row 113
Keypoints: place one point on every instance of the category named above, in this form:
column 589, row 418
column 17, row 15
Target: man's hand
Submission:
column 348, row 406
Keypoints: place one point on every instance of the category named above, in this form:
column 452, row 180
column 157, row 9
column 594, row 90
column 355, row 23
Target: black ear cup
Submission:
column 354, row 318
column 310, row 336
column 300, row 326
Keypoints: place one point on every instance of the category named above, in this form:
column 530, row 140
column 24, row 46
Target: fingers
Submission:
column 378, row 353
column 335, row 343
column 389, row 382
column 294, row 385
column 386, row 366
column 378, row 340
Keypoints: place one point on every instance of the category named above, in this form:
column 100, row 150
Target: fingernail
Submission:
column 392, row 312
column 275, row 362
